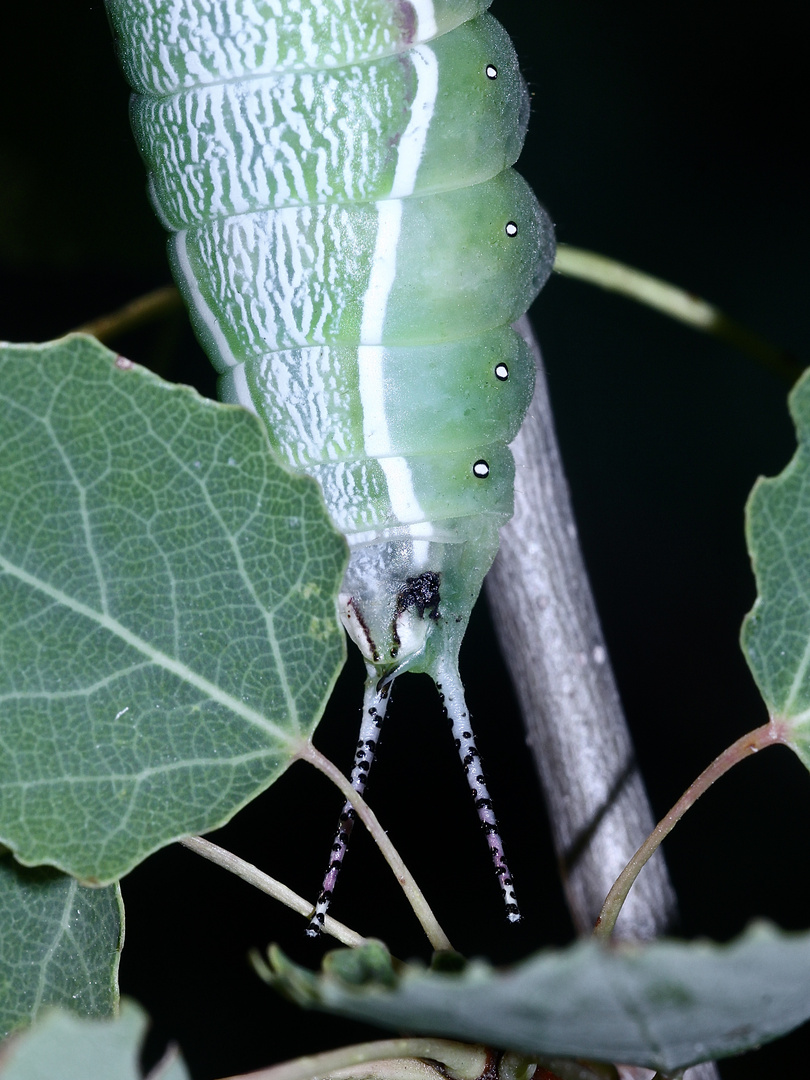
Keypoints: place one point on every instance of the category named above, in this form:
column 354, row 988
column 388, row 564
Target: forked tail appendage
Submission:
column 375, row 702
column 449, row 686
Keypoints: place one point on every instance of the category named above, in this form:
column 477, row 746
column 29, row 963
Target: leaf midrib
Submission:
column 156, row 656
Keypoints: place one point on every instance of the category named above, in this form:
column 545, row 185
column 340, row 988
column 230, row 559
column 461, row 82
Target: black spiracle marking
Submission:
column 501, row 372
column 511, row 229
column 481, row 469
column 491, row 72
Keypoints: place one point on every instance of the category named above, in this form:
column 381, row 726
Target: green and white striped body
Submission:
column 335, row 174
column 353, row 246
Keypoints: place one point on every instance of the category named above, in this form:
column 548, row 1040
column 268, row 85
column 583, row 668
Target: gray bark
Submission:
column 549, row 632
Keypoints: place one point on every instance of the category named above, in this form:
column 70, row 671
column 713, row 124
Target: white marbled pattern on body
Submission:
column 269, row 262
column 270, row 142
column 279, row 279
column 176, row 44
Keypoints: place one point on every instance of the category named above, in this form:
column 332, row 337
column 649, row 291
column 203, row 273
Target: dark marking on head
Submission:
column 511, row 228
column 481, row 469
column 422, row 593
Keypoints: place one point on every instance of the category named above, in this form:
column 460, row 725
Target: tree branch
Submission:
column 549, row 631
column 552, row 642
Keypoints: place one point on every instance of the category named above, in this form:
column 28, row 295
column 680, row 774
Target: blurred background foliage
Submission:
column 668, row 136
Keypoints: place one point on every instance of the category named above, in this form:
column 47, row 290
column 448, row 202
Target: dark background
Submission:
column 669, row 136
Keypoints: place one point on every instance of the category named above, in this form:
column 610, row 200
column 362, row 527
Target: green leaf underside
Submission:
column 69, row 1048
column 59, row 945
column 776, row 633
column 664, row 1006
column 167, row 617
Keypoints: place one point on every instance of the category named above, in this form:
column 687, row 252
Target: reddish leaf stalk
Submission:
column 773, row 733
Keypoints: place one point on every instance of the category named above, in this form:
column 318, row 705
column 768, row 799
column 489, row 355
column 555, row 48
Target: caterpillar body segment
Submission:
column 170, row 45
column 281, row 140
column 434, row 398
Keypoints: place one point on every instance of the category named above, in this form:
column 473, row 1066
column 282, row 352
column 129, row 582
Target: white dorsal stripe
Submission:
column 403, row 498
column 421, row 554
column 389, row 211
column 412, row 144
column 383, row 270
column 376, row 436
column 426, row 16
column 376, row 432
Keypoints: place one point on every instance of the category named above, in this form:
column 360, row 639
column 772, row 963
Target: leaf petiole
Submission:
column 253, row 876
column 773, row 733
column 437, row 937
column 677, row 303
column 138, row 312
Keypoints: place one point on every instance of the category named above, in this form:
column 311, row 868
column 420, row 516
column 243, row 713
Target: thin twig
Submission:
column 437, row 937
column 250, row 873
column 138, row 312
column 676, row 302
column 552, row 643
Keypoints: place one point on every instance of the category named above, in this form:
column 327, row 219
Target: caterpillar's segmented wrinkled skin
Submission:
column 353, row 246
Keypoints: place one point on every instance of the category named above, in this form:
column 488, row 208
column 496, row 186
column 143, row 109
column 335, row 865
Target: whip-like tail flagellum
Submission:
column 452, row 693
column 375, row 701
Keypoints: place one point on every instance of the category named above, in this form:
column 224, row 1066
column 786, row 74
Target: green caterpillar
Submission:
column 353, row 246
